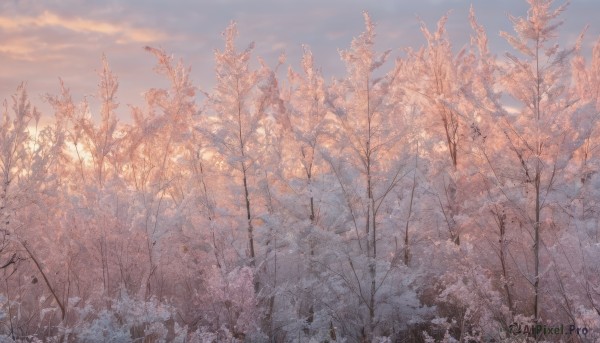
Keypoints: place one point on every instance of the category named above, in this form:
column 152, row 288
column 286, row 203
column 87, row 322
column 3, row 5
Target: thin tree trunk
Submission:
column 410, row 206
column 501, row 222
column 370, row 221
column 39, row 267
column 372, row 272
column 536, row 244
column 536, row 249
column 249, row 219
column 246, row 191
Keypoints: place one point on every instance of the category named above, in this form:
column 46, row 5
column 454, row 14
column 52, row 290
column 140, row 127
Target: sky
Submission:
column 41, row 41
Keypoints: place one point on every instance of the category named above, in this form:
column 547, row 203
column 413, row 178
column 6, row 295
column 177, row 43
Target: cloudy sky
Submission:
column 43, row 40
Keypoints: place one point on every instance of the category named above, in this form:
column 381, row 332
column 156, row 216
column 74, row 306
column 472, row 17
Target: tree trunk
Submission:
column 410, row 206
column 536, row 249
column 39, row 268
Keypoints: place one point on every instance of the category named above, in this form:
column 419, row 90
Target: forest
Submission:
column 448, row 195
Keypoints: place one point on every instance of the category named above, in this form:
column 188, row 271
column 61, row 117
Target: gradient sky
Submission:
column 43, row 40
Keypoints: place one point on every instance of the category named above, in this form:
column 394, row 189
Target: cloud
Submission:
column 123, row 33
column 17, row 49
column 33, row 48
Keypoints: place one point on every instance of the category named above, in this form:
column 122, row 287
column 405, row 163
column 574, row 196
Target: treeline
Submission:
column 409, row 201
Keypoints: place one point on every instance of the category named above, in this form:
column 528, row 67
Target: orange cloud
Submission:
column 82, row 25
column 20, row 49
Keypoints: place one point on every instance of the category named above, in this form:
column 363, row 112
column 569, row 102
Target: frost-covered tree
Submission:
column 586, row 89
column 100, row 142
column 307, row 112
column 302, row 165
column 242, row 128
column 368, row 165
column 31, row 160
column 439, row 79
column 234, row 128
column 541, row 140
column 155, row 144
